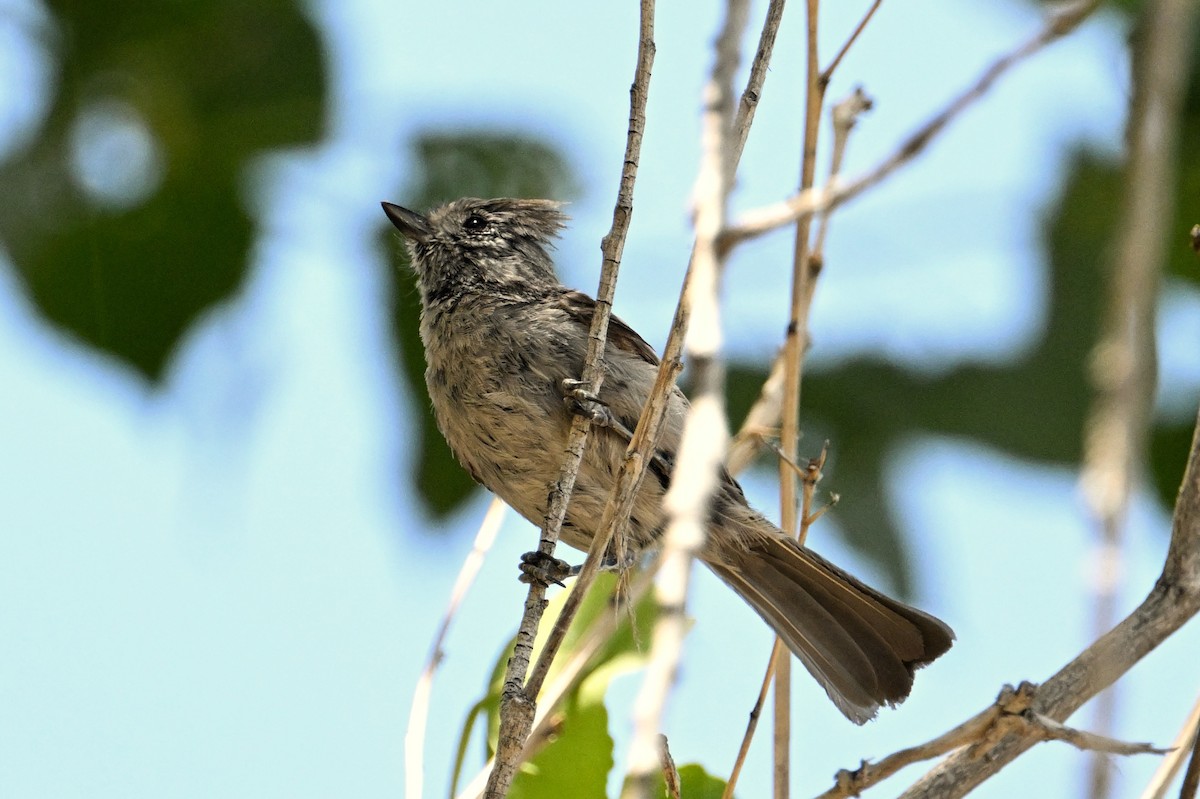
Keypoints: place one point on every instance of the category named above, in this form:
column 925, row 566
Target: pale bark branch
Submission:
column 705, row 437
column 1011, row 714
column 1173, row 601
column 414, row 738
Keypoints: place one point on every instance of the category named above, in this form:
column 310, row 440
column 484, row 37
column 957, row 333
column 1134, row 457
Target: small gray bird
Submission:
column 504, row 340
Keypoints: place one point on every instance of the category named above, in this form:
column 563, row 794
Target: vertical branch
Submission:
column 518, row 703
column 620, row 504
column 794, row 347
column 697, row 471
column 1123, row 363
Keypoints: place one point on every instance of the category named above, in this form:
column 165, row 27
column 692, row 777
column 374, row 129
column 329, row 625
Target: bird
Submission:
column 504, row 344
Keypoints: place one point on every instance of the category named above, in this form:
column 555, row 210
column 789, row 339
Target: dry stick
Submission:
column 645, row 435
column 697, row 472
column 767, row 410
column 414, row 738
column 811, row 476
column 1166, row 772
column 806, row 203
column 811, row 201
column 518, row 702
column 795, row 343
column 1123, row 363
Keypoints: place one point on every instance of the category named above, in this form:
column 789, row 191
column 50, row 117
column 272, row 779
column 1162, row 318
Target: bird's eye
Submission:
column 475, row 222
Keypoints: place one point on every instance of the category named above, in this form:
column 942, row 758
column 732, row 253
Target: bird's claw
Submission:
column 540, row 568
column 581, row 401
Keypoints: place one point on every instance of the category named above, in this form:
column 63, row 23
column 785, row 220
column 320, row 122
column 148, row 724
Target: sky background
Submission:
column 219, row 587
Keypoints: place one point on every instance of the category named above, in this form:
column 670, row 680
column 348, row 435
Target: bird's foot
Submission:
column 540, row 568
column 582, row 402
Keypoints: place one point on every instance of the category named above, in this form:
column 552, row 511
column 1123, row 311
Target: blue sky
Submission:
column 219, row 587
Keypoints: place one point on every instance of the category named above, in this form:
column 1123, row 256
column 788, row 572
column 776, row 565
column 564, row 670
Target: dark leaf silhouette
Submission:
column 130, row 223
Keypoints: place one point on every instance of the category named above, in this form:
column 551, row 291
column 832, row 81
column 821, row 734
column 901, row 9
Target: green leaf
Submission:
column 126, row 258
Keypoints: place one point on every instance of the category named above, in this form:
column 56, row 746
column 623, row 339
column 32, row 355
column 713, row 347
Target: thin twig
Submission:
column 814, row 200
column 844, row 118
column 752, row 722
column 795, row 344
column 754, row 83
column 827, row 73
column 518, row 703
column 414, row 738
column 620, row 503
column 808, row 481
column 705, row 436
column 1166, row 772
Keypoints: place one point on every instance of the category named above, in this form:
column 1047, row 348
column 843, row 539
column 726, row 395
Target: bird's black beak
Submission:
column 411, row 224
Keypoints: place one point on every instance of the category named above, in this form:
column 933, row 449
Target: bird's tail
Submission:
column 860, row 645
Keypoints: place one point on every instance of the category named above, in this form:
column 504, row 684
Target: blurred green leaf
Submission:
column 129, row 224
column 457, row 165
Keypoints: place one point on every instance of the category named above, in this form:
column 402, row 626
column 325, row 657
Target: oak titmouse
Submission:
column 503, row 339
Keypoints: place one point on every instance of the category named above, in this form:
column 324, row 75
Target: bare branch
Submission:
column 705, row 438
column 827, row 73
column 752, row 722
column 814, row 200
column 1173, row 601
column 1011, row 714
column 754, row 84
column 1191, row 779
column 794, row 346
column 519, row 701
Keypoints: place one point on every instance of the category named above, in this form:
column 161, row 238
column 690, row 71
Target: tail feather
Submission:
column 859, row 644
